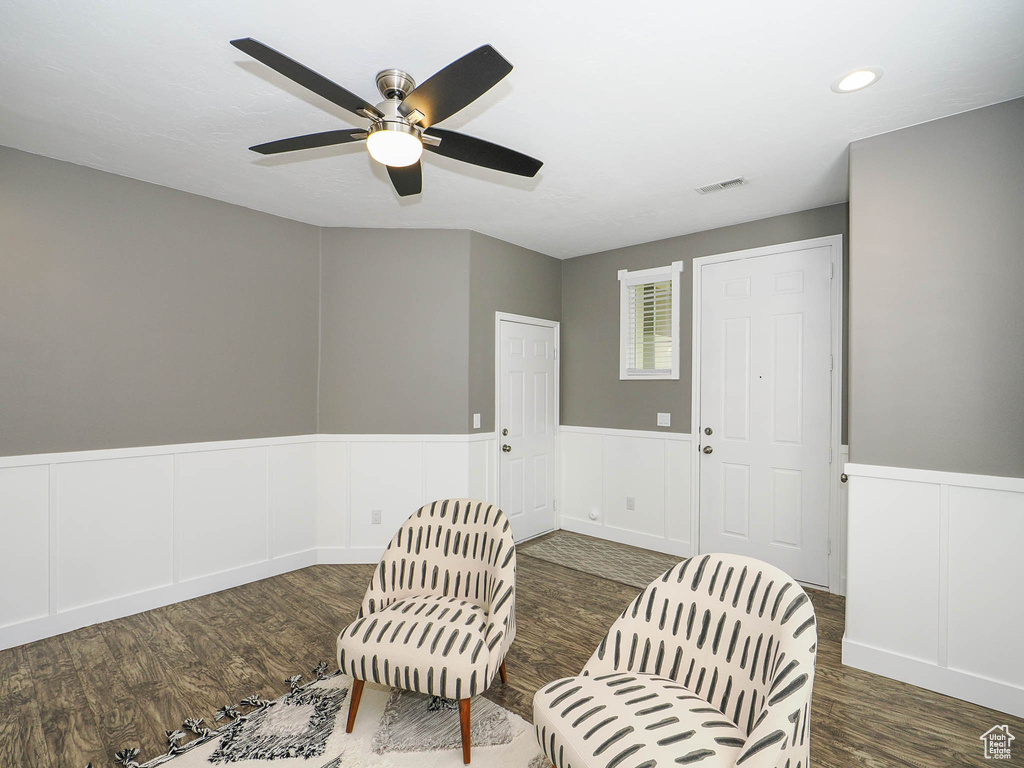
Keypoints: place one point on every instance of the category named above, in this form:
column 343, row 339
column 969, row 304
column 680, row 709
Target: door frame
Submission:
column 499, row 318
column 836, row 536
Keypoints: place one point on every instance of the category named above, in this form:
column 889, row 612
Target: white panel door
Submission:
column 765, row 409
column 526, row 426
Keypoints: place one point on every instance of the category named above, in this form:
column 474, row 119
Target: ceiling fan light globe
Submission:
column 396, row 147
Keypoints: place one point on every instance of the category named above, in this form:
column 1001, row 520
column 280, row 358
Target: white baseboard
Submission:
column 348, row 556
column 960, row 685
column 634, row 539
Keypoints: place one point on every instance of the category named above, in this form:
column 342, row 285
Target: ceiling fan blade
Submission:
column 469, row 149
column 309, row 141
column 457, row 85
column 408, row 180
column 306, row 77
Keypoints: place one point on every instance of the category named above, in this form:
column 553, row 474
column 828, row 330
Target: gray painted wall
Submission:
column 503, row 278
column 592, row 394
column 133, row 314
column 937, row 316
column 394, row 331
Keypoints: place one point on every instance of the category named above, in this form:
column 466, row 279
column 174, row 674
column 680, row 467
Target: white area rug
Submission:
column 307, row 728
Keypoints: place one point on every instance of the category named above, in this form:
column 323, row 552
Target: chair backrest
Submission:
column 737, row 632
column 460, row 548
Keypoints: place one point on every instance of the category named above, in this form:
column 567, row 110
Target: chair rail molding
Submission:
column 932, row 565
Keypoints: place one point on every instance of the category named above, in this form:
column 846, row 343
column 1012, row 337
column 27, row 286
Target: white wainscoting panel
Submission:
column 24, row 545
column 582, row 495
column 678, row 489
column 986, row 572
column 635, row 467
column 114, row 528
column 387, row 476
column 445, row 471
column 933, row 573
column 220, row 510
column 894, row 592
column 292, row 495
column 91, row 536
column 332, row 495
column 602, row 467
column 483, row 467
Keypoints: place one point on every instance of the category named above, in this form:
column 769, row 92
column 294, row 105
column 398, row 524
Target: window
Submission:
column 649, row 323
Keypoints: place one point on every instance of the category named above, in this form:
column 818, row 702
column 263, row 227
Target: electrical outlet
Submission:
column 664, row 419
column 631, row 503
column 476, row 421
column 375, row 517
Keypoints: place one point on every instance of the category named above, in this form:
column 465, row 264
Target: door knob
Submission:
column 708, row 449
column 506, row 448
column 707, row 430
column 504, row 431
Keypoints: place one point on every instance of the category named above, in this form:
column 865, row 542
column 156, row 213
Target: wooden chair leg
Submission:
column 464, row 717
column 501, row 671
column 353, row 703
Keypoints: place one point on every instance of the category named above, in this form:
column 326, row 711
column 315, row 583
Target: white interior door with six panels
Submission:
column 765, row 395
column 526, row 427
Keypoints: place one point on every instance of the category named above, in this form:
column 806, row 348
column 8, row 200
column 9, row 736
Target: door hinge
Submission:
column 556, row 353
column 829, row 455
column 831, row 362
column 831, row 270
column 830, row 546
column 554, row 504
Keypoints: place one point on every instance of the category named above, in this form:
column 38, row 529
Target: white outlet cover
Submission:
column 476, row 421
column 631, row 503
column 664, row 419
column 374, row 517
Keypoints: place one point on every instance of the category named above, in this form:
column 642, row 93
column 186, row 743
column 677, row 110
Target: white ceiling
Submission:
column 630, row 104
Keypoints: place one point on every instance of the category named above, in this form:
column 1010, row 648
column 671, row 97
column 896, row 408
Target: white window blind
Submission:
column 649, row 343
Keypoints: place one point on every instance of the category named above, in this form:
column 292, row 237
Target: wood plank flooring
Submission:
column 77, row 698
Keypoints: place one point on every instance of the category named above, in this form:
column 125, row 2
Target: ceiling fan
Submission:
column 403, row 125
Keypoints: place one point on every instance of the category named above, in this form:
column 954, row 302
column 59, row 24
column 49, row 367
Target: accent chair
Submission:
column 712, row 665
column 439, row 614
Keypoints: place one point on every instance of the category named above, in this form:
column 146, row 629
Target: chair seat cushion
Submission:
column 627, row 720
column 429, row 644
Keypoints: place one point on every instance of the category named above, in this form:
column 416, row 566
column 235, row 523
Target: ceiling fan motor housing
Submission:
column 393, row 120
column 394, row 84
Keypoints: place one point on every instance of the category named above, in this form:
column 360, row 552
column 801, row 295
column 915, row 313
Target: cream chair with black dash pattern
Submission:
column 712, row 665
column 439, row 614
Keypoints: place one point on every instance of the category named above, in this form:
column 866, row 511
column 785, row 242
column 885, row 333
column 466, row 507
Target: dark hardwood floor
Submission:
column 79, row 697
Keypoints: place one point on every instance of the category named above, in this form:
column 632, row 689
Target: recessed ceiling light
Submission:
column 857, row 80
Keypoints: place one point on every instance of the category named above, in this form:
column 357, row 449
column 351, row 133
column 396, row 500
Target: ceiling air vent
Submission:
column 721, row 185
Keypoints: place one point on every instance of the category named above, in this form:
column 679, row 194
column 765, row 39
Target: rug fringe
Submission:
column 197, row 726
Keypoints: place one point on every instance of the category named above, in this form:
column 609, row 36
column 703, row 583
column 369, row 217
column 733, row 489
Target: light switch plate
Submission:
column 476, row 421
column 664, row 419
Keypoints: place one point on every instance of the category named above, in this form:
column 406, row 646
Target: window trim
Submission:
column 627, row 280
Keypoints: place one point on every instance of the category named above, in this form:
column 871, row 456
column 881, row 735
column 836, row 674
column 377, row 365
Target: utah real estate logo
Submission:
column 997, row 742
